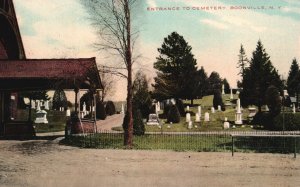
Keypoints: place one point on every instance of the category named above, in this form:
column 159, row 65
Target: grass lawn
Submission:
column 216, row 119
column 57, row 120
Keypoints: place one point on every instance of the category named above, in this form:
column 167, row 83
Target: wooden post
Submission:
column 232, row 146
column 76, row 90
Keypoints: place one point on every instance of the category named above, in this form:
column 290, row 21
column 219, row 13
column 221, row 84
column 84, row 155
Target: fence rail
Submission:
column 257, row 141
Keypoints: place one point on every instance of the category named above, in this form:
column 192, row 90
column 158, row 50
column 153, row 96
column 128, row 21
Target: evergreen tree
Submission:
column 243, row 61
column 273, row 100
column 176, row 69
column 138, row 124
column 258, row 77
column 226, row 86
column 215, row 83
column 202, row 81
column 141, row 96
column 292, row 81
column 59, row 100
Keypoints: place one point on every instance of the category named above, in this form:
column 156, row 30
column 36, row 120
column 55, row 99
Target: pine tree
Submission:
column 258, row 77
column 292, row 82
column 59, row 100
column 226, row 86
column 215, row 83
column 176, row 69
column 141, row 96
column 243, row 61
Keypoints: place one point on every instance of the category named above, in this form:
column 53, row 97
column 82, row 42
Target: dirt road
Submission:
column 45, row 163
column 111, row 121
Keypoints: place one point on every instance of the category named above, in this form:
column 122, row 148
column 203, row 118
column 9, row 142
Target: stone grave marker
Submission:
column 188, row 117
column 206, row 117
column 41, row 117
column 197, row 117
column 226, row 124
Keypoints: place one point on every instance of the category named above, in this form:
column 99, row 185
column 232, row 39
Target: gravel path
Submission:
column 111, row 121
column 46, row 163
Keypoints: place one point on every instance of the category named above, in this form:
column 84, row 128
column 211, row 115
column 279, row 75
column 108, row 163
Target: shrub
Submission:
column 138, row 124
column 291, row 121
column 180, row 107
column 264, row 119
column 110, row 108
column 217, row 100
column 100, row 111
column 273, row 100
column 166, row 111
column 173, row 114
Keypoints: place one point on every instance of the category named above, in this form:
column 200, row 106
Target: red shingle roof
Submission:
column 50, row 70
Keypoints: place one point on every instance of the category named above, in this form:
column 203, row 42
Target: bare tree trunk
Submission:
column 128, row 133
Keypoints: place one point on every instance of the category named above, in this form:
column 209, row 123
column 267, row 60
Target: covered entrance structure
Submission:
column 18, row 74
column 45, row 74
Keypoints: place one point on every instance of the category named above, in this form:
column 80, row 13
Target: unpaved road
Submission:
column 110, row 122
column 45, row 163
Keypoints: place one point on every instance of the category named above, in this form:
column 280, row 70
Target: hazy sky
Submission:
column 60, row 29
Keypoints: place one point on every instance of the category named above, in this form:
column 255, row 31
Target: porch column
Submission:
column 77, row 101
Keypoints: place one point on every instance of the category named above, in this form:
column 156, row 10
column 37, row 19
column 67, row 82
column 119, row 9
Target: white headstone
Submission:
column 188, row 117
column 41, row 117
column 219, row 108
column 33, row 104
column 122, row 109
column 226, row 125
column 206, row 117
column 238, row 115
column 187, row 108
column 158, row 106
column 212, row 110
column 238, row 92
column 223, row 89
column 68, row 113
column 199, row 110
column 231, row 94
column 46, row 105
column 294, row 109
column 38, row 105
column 267, row 108
column 197, row 117
column 84, row 107
column 190, row 125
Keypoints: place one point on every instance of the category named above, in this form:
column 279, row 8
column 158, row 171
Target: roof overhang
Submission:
column 47, row 74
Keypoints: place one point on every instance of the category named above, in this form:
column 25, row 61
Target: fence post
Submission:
column 232, row 145
column 295, row 144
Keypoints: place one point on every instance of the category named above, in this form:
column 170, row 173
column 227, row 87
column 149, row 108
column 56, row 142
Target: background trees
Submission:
column 258, row 77
column 292, row 80
column 59, row 100
column 176, row 68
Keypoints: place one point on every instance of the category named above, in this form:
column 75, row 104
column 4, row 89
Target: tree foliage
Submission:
column 173, row 114
column 110, row 108
column 59, row 100
column 215, row 83
column 243, row 61
column 273, row 100
column 292, row 80
column 258, row 77
column 176, row 68
column 138, row 124
column 141, row 97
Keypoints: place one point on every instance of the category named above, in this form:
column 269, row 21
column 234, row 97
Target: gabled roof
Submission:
column 33, row 74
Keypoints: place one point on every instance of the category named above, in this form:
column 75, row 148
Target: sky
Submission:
column 215, row 29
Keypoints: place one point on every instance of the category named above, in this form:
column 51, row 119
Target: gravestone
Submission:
column 188, row 117
column 41, row 117
column 267, row 108
column 252, row 112
column 68, row 113
column 206, row 117
column 122, row 109
column 197, row 117
column 223, row 89
column 199, row 110
column 187, row 108
column 213, row 110
column 153, row 119
column 219, row 108
column 231, row 94
column 46, row 105
column 190, row 126
column 226, row 124
column 238, row 115
column 294, row 109
column 38, row 105
column 33, row 104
